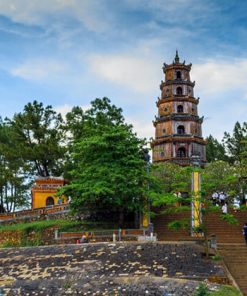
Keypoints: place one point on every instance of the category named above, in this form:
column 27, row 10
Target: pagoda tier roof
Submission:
column 183, row 161
column 49, row 178
column 176, row 66
column 178, row 138
column 178, row 117
column 177, row 98
column 176, row 81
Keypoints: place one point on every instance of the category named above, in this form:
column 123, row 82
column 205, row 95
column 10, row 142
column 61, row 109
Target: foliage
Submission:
column 31, row 233
column 179, row 224
column 108, row 168
column 220, row 176
column 202, row 291
column 234, row 143
column 226, row 290
column 217, row 257
column 229, row 218
column 39, row 136
column 223, row 291
column 39, row 225
column 215, row 150
column 169, row 179
column 13, row 171
column 172, row 179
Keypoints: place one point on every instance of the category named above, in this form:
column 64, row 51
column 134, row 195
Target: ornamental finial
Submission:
column 176, row 58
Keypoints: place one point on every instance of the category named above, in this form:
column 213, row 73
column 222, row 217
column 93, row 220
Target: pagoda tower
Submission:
column 178, row 132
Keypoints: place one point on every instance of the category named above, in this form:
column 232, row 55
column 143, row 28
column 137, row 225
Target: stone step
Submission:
column 235, row 257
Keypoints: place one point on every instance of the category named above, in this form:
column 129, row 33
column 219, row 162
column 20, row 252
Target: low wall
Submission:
column 60, row 211
column 18, row 238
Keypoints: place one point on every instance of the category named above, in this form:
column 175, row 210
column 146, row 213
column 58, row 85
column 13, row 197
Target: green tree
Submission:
column 169, row 182
column 237, row 149
column 39, row 136
column 235, row 143
column 74, row 125
column 220, row 176
column 14, row 181
column 215, row 150
column 108, row 169
column 171, row 179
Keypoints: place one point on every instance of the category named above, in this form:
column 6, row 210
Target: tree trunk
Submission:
column 137, row 219
column 121, row 217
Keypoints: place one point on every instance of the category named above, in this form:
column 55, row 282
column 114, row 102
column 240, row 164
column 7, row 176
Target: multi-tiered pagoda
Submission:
column 178, row 132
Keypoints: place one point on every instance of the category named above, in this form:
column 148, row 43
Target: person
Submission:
column 224, row 208
column 84, row 238
column 59, row 201
column 222, row 198
column 245, row 233
column 215, row 197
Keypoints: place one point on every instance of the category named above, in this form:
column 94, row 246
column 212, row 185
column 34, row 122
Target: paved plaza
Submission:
column 105, row 269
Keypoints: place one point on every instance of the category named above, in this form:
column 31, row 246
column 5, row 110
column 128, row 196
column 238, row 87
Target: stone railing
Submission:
column 101, row 235
column 25, row 214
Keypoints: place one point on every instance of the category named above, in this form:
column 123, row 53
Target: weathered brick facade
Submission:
column 178, row 132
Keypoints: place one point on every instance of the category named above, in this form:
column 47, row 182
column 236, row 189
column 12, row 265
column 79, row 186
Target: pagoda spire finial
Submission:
column 176, row 57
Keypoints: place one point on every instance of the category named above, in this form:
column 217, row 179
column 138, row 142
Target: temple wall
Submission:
column 162, row 151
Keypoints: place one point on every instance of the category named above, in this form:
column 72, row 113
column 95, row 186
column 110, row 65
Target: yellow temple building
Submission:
column 44, row 191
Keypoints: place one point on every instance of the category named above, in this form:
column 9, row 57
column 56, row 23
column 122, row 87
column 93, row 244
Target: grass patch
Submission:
column 31, row 233
column 223, row 291
column 216, row 257
column 226, row 290
column 38, row 225
column 62, row 225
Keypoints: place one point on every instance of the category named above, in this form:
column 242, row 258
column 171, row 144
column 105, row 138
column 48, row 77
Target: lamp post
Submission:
column 196, row 218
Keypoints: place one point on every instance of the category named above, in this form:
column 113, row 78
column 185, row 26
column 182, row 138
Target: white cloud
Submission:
column 37, row 12
column 138, row 74
column 39, row 70
column 219, row 76
column 143, row 128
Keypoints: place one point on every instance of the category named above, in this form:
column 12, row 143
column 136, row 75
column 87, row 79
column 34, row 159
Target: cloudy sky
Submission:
column 68, row 52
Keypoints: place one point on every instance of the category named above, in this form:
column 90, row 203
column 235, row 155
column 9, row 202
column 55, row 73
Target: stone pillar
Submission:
column 196, row 204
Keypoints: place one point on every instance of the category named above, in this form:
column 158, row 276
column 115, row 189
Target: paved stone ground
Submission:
column 105, row 269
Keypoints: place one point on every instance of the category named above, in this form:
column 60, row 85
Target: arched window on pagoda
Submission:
column 179, row 91
column 181, row 152
column 178, row 75
column 180, row 109
column 49, row 201
column 180, row 130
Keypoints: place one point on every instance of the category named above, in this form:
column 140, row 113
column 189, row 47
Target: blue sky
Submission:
column 68, row 52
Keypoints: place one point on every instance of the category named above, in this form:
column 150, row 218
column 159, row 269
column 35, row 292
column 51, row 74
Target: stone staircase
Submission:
column 229, row 238
column 164, row 233
column 225, row 232
column 235, row 258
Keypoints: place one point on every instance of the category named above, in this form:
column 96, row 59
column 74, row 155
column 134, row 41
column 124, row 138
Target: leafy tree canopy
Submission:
column 14, row 172
column 39, row 136
column 234, row 143
column 108, row 168
column 220, row 176
column 215, row 150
